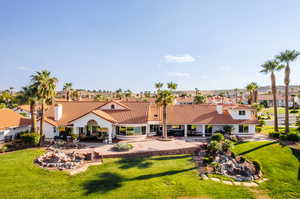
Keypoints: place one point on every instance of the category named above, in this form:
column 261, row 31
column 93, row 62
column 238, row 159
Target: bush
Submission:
column 207, row 160
column 73, row 136
column 257, row 165
column 261, row 123
column 258, row 129
column 293, row 136
column 214, row 146
column 3, row 149
column 123, row 147
column 227, row 145
column 30, row 138
column 274, row 134
column 217, row 137
column 228, row 129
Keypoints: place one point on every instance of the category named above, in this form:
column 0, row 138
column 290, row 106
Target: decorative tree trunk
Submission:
column 273, row 80
column 286, row 82
column 165, row 133
column 33, row 116
column 42, row 119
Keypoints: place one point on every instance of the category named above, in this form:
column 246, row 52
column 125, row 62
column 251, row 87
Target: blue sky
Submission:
column 134, row 43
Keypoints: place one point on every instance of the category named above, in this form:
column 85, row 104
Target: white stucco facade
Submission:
column 13, row 131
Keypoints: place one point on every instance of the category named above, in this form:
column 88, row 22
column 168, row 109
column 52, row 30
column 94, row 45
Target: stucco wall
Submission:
column 235, row 114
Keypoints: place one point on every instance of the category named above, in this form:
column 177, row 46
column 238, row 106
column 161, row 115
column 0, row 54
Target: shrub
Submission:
column 73, row 136
column 228, row 129
column 217, row 137
column 258, row 129
column 257, row 165
column 30, row 138
column 293, row 136
column 214, row 146
column 207, row 160
column 3, row 149
column 274, row 134
column 227, row 145
column 123, row 147
column 261, row 123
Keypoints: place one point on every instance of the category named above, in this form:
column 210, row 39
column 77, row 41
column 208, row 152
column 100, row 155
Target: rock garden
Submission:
column 217, row 158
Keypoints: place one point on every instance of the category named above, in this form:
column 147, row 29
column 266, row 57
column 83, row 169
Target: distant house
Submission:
column 268, row 100
column 23, row 110
column 12, row 123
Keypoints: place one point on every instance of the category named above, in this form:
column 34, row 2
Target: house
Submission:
column 125, row 118
column 23, row 110
column 12, row 123
column 268, row 100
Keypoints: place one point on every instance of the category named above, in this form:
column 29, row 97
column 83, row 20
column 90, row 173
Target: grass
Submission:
column 156, row 177
column 280, row 165
column 153, row 177
column 280, row 110
column 268, row 129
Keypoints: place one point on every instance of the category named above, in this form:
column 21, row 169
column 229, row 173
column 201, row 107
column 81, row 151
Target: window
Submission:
column 1, row 133
column 155, row 115
column 80, row 129
column 243, row 128
column 242, row 112
column 112, row 106
column 54, row 129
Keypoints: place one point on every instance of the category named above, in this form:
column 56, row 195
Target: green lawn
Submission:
column 280, row 110
column 156, row 177
column 268, row 129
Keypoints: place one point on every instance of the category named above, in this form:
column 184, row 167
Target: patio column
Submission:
column 203, row 130
column 185, row 130
column 110, row 135
column 147, row 129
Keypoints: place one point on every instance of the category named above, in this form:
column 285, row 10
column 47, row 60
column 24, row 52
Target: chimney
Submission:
column 57, row 112
column 219, row 109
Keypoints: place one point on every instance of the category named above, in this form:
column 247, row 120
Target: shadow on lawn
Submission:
column 258, row 147
column 109, row 181
column 171, row 157
column 139, row 162
column 296, row 153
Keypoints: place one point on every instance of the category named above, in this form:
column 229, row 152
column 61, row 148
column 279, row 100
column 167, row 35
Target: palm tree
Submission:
column 252, row 89
column 286, row 57
column 68, row 88
column 165, row 98
column 172, row 86
column 159, row 85
column 236, row 90
column 46, row 91
column 271, row 67
column 28, row 95
column 255, row 91
column 199, row 99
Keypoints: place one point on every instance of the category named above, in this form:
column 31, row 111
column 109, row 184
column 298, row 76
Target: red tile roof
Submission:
column 9, row 118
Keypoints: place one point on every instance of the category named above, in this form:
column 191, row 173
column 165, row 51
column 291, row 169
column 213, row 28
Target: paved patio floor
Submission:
column 149, row 145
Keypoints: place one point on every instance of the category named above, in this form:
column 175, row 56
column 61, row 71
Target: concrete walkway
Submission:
column 151, row 145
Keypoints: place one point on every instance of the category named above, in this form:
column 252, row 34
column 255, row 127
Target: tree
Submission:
column 252, row 89
column 270, row 67
column 165, row 98
column 158, row 85
column 45, row 86
column 28, row 95
column 128, row 93
column 68, row 88
column 236, row 90
column 172, row 86
column 286, row 57
column 199, row 99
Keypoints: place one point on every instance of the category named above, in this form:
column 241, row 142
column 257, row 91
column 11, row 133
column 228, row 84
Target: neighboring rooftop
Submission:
column 11, row 119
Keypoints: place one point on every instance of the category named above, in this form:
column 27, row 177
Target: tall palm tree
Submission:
column 172, row 86
column 286, row 57
column 255, row 91
column 270, row 67
column 251, row 88
column 236, row 90
column 28, row 95
column 46, row 91
column 68, row 88
column 165, row 98
column 158, row 85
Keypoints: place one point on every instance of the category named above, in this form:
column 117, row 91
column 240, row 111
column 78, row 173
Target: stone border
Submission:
column 236, row 183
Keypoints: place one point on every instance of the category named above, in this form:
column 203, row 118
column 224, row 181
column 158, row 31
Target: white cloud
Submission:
column 179, row 59
column 24, row 68
column 179, row 74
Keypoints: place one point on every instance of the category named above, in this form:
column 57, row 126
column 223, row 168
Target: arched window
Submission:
column 112, row 106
